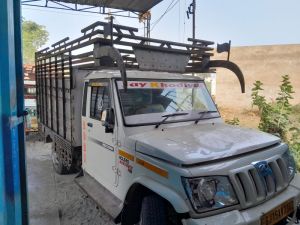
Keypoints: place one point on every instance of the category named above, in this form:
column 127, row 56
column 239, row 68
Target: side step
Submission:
column 102, row 197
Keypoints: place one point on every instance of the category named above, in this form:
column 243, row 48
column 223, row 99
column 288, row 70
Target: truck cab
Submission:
column 162, row 142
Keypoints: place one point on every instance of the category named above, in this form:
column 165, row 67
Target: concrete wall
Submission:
column 264, row 63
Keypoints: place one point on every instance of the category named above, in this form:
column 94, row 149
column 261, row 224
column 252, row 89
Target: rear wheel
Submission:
column 57, row 161
column 153, row 211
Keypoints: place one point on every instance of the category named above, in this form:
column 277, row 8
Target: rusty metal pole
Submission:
column 194, row 19
column 194, row 24
column 148, row 25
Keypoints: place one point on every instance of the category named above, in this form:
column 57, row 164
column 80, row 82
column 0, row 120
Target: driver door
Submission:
column 100, row 149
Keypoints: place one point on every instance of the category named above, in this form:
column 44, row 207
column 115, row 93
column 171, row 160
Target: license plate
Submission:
column 278, row 214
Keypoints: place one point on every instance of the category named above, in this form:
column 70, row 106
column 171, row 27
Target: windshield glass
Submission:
column 146, row 102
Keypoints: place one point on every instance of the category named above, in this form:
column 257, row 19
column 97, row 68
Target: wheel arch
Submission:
column 142, row 187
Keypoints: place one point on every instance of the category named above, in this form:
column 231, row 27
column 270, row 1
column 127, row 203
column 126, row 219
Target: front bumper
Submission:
column 252, row 215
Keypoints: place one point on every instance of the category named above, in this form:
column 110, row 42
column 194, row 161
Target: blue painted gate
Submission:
column 13, row 192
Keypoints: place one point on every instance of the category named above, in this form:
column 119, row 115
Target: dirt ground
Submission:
column 56, row 199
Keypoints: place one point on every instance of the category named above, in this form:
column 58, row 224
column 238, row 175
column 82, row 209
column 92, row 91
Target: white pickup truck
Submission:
column 151, row 144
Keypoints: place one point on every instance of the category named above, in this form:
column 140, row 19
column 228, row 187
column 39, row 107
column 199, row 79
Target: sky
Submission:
column 244, row 22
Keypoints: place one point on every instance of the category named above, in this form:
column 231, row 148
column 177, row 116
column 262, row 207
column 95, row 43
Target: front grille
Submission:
column 253, row 188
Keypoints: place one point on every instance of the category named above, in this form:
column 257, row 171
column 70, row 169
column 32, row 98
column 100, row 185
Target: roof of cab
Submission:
column 108, row 74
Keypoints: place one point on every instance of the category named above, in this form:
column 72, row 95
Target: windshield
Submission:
column 146, row 102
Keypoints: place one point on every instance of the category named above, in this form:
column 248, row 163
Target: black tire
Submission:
column 57, row 162
column 153, row 211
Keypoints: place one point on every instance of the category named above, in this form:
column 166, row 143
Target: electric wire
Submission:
column 154, row 23
column 164, row 12
column 169, row 8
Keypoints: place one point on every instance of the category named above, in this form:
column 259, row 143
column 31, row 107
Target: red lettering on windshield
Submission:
column 143, row 84
column 153, row 84
column 137, row 84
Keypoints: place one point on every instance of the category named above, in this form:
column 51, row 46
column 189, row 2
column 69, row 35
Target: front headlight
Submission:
column 290, row 164
column 210, row 193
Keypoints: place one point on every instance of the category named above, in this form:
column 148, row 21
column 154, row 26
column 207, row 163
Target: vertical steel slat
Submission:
column 51, row 100
column 70, row 71
column 63, row 96
column 36, row 87
column 56, row 96
column 37, row 94
column 71, row 87
column 42, row 93
column 46, row 92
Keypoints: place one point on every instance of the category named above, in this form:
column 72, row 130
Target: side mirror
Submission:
column 108, row 120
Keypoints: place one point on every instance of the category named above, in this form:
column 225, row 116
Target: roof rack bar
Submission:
column 60, row 42
column 43, row 50
column 199, row 41
column 118, row 35
column 78, row 43
column 132, row 52
column 99, row 23
column 82, row 55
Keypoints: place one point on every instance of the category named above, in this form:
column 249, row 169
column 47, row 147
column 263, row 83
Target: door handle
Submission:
column 90, row 124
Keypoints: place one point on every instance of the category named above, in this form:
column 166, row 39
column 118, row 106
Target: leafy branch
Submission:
column 274, row 116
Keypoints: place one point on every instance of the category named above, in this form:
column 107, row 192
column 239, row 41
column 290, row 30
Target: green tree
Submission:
column 34, row 37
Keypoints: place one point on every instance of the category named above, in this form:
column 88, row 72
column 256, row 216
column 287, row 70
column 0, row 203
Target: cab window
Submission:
column 99, row 100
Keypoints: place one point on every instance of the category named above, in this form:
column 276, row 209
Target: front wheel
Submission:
column 153, row 211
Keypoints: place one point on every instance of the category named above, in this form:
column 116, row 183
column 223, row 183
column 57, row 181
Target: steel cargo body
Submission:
column 59, row 100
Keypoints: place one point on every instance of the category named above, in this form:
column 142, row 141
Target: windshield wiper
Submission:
column 168, row 116
column 202, row 113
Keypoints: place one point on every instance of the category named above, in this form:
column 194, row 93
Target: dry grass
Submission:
column 247, row 117
column 250, row 117
column 295, row 117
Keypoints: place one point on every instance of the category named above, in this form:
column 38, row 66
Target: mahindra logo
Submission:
column 263, row 168
column 264, row 171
